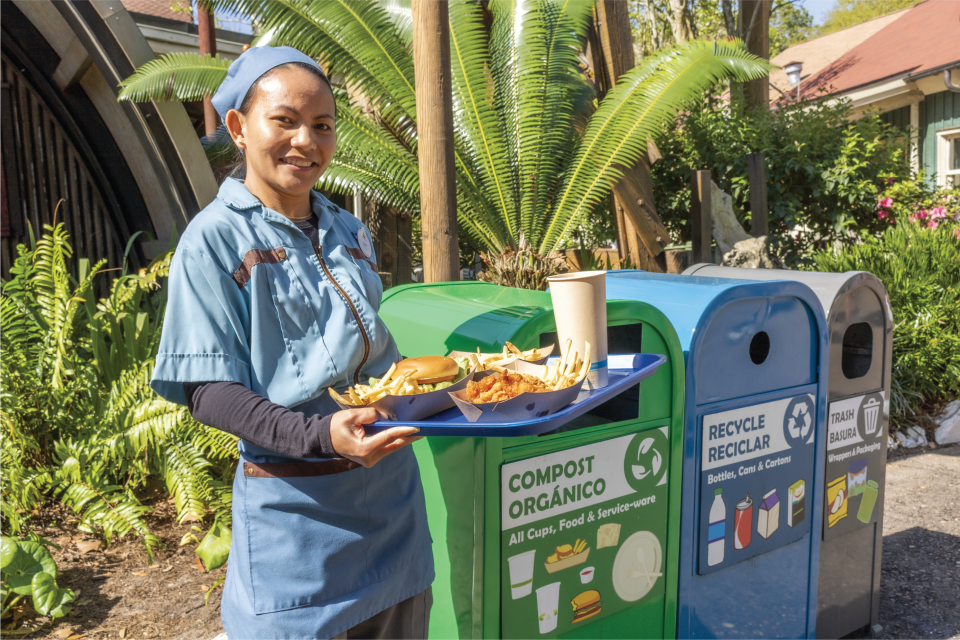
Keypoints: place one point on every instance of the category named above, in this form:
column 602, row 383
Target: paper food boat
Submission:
column 545, row 352
column 525, row 406
column 566, row 563
column 419, row 406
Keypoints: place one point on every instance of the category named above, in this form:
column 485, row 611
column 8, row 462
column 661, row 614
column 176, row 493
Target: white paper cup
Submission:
column 521, row 574
column 586, row 576
column 580, row 309
column 548, row 601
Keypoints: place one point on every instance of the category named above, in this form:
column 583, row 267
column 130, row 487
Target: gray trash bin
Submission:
column 860, row 322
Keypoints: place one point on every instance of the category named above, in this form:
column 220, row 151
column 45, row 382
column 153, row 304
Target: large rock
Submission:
column 948, row 424
column 752, row 253
column 912, row 437
column 727, row 230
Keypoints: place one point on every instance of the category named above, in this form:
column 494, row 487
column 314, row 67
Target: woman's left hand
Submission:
column 351, row 441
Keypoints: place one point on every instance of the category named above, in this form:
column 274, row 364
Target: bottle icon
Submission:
column 716, row 534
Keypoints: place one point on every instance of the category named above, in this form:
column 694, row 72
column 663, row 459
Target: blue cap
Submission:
column 248, row 68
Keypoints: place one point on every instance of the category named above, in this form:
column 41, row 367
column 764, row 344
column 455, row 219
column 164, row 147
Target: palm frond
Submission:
column 479, row 134
column 548, row 102
column 353, row 40
column 175, row 76
column 637, row 108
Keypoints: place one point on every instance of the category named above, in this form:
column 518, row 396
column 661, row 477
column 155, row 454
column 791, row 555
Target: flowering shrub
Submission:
column 918, row 260
column 915, row 200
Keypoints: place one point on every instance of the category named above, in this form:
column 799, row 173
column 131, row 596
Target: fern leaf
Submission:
column 175, row 76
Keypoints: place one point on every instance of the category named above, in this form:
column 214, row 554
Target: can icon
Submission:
column 743, row 523
column 871, row 411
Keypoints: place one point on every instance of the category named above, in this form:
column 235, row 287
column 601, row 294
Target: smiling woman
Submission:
column 273, row 298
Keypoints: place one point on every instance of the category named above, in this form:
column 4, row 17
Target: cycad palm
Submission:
column 534, row 154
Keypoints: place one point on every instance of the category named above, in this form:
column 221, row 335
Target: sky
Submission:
column 818, row 9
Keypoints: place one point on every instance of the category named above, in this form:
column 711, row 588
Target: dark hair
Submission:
column 237, row 167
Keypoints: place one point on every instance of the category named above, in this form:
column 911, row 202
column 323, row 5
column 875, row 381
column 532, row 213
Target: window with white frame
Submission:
column 948, row 157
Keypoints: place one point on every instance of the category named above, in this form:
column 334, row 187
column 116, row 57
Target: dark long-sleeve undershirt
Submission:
column 231, row 407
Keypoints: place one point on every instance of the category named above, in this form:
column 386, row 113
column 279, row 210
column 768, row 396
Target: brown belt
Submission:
column 297, row 469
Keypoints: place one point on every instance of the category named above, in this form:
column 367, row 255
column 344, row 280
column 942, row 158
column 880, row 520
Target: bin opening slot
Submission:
column 857, row 350
column 759, row 348
column 625, row 338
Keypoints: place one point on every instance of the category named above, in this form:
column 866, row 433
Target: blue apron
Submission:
column 250, row 300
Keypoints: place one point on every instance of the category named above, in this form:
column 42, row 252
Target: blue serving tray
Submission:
column 624, row 372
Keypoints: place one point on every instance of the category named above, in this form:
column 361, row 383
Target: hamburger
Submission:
column 432, row 372
column 586, row 605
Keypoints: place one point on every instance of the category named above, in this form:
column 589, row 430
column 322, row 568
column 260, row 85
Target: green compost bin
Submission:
column 494, row 534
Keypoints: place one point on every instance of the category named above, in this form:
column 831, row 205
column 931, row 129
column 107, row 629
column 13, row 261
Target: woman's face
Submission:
column 288, row 134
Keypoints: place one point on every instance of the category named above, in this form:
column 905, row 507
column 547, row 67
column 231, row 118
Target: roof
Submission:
column 160, row 8
column 920, row 39
column 818, row 53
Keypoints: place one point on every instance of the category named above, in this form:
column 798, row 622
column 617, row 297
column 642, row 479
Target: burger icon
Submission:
column 586, row 605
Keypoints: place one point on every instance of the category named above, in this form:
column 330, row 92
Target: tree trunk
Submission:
column 206, row 26
column 438, row 202
column 633, row 194
column 729, row 20
column 754, row 27
column 680, row 21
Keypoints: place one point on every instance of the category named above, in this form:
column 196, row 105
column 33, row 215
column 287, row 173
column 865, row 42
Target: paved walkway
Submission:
column 920, row 581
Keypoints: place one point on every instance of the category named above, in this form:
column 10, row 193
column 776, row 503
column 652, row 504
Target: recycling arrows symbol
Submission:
column 797, row 430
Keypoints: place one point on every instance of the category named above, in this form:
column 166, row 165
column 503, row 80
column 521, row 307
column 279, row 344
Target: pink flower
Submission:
column 956, row 233
column 919, row 216
column 890, row 181
column 933, row 224
column 938, row 212
column 883, row 214
column 885, row 203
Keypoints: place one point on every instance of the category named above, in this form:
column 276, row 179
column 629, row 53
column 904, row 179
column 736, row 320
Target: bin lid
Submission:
column 827, row 286
column 717, row 319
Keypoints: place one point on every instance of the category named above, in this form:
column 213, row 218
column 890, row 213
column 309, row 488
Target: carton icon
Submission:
column 796, row 497
column 768, row 519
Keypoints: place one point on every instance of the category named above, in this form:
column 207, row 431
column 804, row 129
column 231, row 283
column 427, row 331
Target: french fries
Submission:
column 568, row 370
column 361, row 395
column 510, row 353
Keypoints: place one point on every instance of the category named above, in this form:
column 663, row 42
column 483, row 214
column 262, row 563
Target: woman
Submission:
column 273, row 298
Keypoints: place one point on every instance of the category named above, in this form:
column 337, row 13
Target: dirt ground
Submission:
column 120, row 595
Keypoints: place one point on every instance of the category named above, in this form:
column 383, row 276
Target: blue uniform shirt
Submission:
column 250, row 300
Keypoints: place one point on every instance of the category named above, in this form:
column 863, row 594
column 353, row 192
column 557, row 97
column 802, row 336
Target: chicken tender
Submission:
column 503, row 386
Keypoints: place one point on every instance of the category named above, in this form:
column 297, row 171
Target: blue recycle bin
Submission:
column 753, row 450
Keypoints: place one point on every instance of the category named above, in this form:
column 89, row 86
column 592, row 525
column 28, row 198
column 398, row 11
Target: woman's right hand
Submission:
column 351, row 441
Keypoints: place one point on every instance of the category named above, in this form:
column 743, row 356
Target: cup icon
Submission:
column 586, row 575
column 548, row 601
column 521, row 574
column 868, row 501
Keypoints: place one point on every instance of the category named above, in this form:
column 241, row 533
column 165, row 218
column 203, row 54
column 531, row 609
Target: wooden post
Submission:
column 754, row 25
column 206, row 25
column 759, row 214
column 438, row 200
column 701, row 216
column 613, row 56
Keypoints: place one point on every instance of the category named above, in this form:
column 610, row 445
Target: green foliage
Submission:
column 195, row 74
column 917, row 261
column 523, row 268
column 534, row 154
column 847, row 13
column 824, row 173
column 80, row 422
column 28, row 570
column 789, row 24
